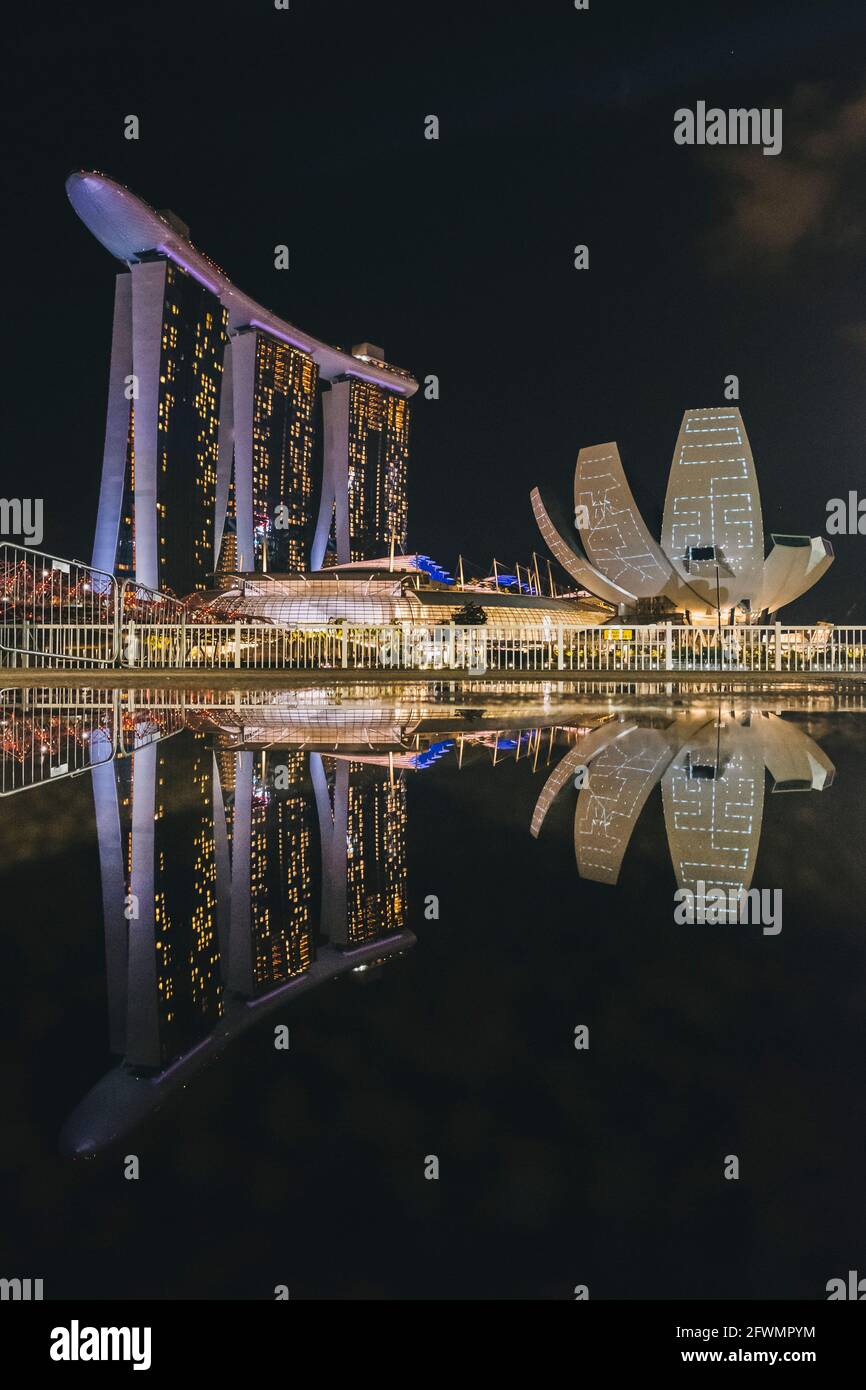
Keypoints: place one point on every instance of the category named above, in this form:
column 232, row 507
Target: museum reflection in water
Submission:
column 711, row 770
column 252, row 849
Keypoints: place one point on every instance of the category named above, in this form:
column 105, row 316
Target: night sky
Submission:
column 306, row 127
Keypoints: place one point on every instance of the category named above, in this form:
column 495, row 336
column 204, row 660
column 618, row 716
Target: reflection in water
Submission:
column 51, row 734
column 210, row 899
column 711, row 769
column 264, row 851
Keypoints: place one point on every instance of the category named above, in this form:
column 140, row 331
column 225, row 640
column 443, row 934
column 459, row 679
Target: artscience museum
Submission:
column 711, row 561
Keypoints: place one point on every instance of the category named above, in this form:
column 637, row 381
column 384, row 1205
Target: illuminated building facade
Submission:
column 267, row 436
column 209, row 906
column 192, row 339
column 185, row 904
column 158, row 493
column 268, row 824
column 124, row 564
column 285, row 949
column 376, row 854
column 211, row 429
column 157, row 850
column 362, row 829
column 363, row 514
column 710, row 560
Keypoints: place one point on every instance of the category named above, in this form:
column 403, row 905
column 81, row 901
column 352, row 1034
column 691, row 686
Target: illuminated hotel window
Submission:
column 193, row 336
column 284, row 408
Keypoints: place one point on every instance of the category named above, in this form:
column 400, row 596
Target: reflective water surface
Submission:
column 283, row 947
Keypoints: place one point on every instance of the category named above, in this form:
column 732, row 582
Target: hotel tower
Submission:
column 212, row 460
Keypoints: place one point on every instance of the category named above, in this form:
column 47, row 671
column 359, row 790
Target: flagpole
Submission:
column 537, row 576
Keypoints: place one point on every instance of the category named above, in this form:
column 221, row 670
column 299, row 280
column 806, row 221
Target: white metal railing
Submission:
column 56, row 612
column 476, row 650
column 46, row 735
column 137, row 603
column 162, row 637
column 256, row 646
column 677, row 647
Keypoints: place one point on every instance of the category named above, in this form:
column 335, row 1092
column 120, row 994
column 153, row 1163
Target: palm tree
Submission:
column 470, row 615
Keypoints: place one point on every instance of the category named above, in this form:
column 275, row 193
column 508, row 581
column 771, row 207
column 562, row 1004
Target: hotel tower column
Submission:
column 148, row 297
column 116, row 430
column 336, row 404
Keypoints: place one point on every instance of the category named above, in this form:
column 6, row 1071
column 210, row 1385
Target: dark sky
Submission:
column 306, row 127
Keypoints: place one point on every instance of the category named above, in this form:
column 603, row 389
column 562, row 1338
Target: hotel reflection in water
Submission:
column 233, row 876
column 248, row 853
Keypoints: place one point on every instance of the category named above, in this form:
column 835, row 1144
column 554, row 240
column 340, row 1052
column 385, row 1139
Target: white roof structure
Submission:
column 713, row 502
column 379, row 598
column 711, row 553
column 129, row 228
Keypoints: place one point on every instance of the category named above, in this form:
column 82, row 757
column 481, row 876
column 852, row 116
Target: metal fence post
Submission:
column 560, row 650
column 237, row 646
column 669, row 646
column 344, row 646
column 115, row 621
column 778, row 662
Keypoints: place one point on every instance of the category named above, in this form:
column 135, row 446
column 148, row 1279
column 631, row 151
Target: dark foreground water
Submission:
column 277, row 953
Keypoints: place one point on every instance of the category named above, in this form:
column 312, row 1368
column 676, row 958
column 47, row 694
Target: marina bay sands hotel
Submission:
column 222, row 416
column 226, row 425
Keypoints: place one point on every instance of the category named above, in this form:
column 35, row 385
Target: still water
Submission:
column 284, row 949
